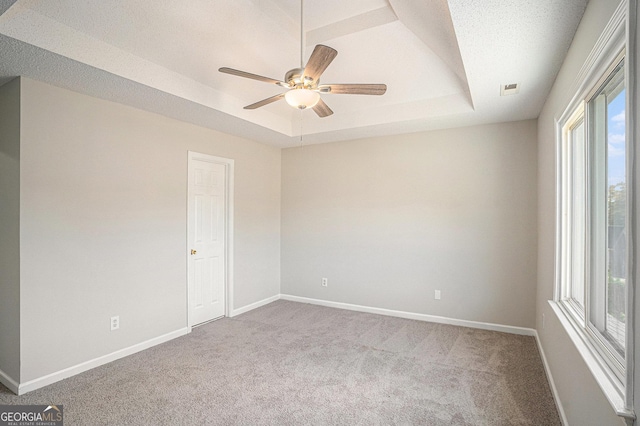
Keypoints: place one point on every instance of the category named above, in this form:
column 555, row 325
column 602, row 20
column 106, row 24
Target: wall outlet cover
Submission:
column 115, row 323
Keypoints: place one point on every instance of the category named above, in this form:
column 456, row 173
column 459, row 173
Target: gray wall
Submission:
column 104, row 198
column 583, row 401
column 10, row 229
column 389, row 220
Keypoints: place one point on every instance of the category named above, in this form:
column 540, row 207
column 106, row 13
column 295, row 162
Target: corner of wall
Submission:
column 10, row 104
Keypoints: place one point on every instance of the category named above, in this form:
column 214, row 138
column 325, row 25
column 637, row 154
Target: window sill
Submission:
column 611, row 388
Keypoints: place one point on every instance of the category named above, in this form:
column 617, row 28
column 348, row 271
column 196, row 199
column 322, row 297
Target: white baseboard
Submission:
column 554, row 390
column 31, row 385
column 25, row 387
column 6, row 380
column 253, row 306
column 411, row 315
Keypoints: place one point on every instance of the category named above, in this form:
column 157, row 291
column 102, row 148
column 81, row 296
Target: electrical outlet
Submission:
column 325, row 282
column 437, row 295
column 115, row 323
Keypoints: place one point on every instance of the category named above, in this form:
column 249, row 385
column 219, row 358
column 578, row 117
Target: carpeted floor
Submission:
column 290, row 363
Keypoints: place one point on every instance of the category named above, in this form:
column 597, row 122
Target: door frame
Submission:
column 228, row 215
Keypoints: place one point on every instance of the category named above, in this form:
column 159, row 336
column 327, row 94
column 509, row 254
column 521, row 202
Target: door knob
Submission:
column 193, row 252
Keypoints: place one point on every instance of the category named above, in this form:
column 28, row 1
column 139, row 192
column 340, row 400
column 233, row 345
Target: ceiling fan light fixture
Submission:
column 302, row 98
column 304, row 82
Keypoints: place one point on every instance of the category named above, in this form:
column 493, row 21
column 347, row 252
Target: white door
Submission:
column 207, row 239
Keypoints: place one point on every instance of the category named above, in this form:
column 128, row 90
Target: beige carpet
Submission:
column 290, row 363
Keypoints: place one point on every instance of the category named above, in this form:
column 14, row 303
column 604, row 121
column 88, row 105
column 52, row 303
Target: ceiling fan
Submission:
column 303, row 83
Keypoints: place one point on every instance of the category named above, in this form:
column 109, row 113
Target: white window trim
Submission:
column 611, row 42
column 607, row 380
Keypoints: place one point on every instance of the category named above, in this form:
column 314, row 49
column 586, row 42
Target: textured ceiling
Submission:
column 443, row 61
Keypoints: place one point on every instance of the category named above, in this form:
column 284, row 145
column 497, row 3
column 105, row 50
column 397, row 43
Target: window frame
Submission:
column 565, row 291
column 580, row 315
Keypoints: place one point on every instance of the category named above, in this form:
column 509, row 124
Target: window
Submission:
column 608, row 212
column 592, row 262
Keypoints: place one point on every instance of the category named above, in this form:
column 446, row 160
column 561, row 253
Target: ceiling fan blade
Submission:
column 265, row 101
column 252, row 76
column 353, row 89
column 319, row 61
column 322, row 109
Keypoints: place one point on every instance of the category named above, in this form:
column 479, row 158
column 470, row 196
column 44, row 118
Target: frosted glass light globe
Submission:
column 302, row 98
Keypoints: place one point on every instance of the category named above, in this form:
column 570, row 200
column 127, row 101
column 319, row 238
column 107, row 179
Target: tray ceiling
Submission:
column 443, row 61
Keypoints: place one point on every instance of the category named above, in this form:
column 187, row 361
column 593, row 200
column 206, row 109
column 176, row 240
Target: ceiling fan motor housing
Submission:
column 296, row 80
